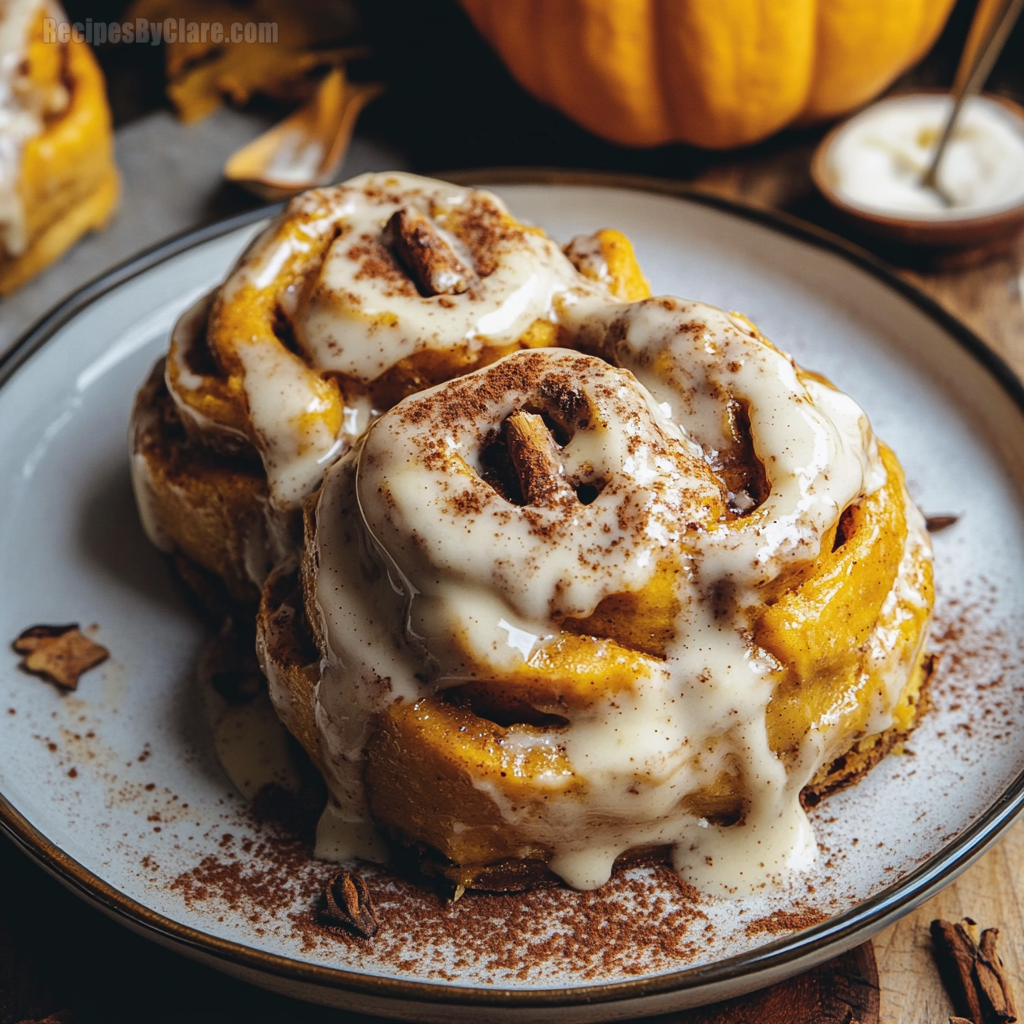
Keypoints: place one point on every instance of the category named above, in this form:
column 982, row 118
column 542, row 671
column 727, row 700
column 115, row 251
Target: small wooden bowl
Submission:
column 993, row 232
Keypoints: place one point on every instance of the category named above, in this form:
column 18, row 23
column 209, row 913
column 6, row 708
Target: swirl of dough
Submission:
column 356, row 296
column 795, row 450
column 564, row 615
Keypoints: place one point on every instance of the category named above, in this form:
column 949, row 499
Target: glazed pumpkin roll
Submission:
column 651, row 597
column 57, row 173
column 353, row 298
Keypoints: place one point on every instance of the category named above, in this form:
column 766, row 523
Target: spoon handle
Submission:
column 989, row 31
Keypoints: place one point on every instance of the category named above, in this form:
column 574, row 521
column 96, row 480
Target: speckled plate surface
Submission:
column 116, row 789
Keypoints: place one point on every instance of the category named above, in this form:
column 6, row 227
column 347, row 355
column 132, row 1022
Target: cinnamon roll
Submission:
column 355, row 297
column 651, row 596
column 57, row 173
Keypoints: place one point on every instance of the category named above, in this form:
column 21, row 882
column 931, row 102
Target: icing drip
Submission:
column 329, row 300
column 429, row 577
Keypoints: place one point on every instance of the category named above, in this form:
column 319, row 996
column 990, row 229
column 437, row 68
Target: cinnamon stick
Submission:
column 427, row 254
column 973, row 972
column 535, row 459
column 955, row 954
column 992, row 980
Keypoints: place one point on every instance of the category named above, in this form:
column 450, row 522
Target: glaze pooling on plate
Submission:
column 88, row 560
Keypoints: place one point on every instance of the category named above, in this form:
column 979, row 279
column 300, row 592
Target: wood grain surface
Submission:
column 842, row 991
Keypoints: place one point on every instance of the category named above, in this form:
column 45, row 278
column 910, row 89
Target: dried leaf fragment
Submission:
column 34, row 636
column 972, row 972
column 59, row 653
column 285, row 43
column 937, row 523
column 349, row 904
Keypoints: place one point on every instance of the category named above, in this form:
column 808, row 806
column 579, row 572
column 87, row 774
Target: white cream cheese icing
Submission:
column 419, row 560
column 358, row 312
column 879, row 157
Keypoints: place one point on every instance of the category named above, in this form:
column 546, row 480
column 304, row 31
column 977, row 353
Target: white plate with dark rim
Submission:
column 116, row 791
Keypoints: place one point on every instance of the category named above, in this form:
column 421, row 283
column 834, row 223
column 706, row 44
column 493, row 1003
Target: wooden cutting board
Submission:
column 842, row 991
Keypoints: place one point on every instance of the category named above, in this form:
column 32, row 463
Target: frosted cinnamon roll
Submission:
column 551, row 615
column 356, row 296
column 57, row 173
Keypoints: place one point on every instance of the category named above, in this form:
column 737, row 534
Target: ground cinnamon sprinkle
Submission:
column 645, row 920
column 785, row 921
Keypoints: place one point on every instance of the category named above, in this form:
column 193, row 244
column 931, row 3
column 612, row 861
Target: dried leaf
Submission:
column 349, row 904
column 28, row 641
column 201, row 73
column 59, row 653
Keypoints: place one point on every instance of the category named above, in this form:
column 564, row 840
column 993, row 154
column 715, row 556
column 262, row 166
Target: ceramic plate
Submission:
column 116, row 788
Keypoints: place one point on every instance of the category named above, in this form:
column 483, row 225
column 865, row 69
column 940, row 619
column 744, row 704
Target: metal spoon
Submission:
column 989, row 31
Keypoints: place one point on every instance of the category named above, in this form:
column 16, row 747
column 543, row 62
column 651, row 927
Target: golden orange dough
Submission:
column 207, row 503
column 432, row 764
column 69, row 183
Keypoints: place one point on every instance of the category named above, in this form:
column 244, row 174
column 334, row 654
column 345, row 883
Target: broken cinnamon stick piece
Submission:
column 426, row 254
column 349, row 904
column 535, row 458
column 992, row 980
column 955, row 956
column 58, row 653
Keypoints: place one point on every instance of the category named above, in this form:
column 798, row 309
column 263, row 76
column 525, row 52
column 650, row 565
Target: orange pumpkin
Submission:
column 715, row 73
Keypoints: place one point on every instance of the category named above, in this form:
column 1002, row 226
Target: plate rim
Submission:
column 769, row 960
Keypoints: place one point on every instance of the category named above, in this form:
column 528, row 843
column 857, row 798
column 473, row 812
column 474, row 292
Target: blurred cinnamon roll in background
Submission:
column 354, row 297
column 57, row 173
